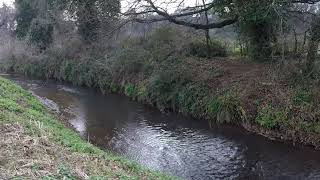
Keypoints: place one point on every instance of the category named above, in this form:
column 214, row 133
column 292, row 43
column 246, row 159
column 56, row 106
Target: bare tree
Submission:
column 141, row 10
column 7, row 18
column 183, row 15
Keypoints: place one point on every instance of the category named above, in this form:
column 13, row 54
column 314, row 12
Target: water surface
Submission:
column 171, row 143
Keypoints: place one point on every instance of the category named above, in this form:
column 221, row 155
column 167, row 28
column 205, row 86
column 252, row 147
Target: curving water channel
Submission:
column 171, row 143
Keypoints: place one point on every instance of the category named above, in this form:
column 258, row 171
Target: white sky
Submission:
column 168, row 5
column 8, row 2
column 124, row 4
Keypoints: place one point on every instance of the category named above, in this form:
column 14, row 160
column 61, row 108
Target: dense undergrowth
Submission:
column 36, row 145
column 162, row 70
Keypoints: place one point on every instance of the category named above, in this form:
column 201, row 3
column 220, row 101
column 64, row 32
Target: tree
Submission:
column 7, row 19
column 93, row 17
column 88, row 22
column 41, row 33
column 313, row 44
column 140, row 8
column 257, row 19
column 25, row 14
column 34, row 22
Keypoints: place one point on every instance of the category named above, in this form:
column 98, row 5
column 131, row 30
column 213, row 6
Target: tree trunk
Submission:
column 283, row 42
column 207, row 31
column 304, row 41
column 208, row 43
column 295, row 42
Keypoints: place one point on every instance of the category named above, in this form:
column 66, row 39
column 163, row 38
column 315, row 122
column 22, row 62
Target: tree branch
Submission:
column 173, row 18
column 306, row 1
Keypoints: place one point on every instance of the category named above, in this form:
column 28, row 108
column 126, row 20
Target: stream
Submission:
column 172, row 143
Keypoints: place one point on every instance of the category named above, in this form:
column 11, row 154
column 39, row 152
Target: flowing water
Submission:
column 170, row 143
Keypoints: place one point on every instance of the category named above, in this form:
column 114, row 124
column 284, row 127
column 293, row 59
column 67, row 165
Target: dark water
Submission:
column 171, row 143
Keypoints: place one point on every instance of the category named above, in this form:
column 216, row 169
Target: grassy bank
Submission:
column 271, row 99
column 34, row 145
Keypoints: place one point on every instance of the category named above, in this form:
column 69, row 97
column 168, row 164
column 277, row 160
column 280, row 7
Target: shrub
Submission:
column 142, row 93
column 190, row 98
column 225, row 109
column 302, row 96
column 128, row 61
column 165, row 85
column 316, row 127
column 15, row 53
column 164, row 36
column 113, row 87
column 200, row 49
column 67, row 72
column 164, row 42
column 130, row 90
column 270, row 118
column 316, row 69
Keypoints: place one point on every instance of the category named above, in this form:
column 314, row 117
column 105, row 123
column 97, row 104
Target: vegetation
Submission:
column 200, row 49
column 157, row 69
column 35, row 145
column 270, row 117
column 265, row 77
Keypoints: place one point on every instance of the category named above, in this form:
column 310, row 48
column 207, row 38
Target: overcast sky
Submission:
column 186, row 2
column 8, row 2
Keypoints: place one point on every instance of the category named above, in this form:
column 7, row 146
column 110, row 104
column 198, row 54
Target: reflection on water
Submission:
column 171, row 143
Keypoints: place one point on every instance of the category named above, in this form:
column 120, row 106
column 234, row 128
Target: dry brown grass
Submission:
column 25, row 156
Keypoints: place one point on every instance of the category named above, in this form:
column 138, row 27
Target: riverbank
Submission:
column 36, row 145
column 252, row 95
column 273, row 99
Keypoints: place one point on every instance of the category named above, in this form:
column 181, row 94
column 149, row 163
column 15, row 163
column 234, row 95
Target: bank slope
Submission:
column 34, row 144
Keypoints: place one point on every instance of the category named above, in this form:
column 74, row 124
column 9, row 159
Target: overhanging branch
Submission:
column 174, row 18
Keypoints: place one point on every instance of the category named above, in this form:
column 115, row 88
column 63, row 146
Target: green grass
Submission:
column 20, row 106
